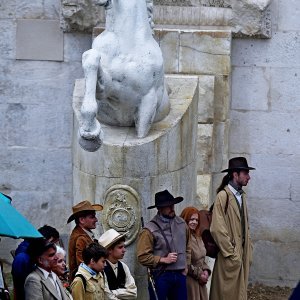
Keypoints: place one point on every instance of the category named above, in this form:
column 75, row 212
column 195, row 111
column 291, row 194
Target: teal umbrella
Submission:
column 12, row 223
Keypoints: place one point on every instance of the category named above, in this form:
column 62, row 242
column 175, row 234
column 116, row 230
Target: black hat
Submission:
column 164, row 198
column 238, row 163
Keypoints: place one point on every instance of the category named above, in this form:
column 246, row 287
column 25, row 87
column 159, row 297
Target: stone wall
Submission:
column 38, row 69
column 265, row 127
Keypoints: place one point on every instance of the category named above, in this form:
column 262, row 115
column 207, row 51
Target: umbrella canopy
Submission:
column 13, row 224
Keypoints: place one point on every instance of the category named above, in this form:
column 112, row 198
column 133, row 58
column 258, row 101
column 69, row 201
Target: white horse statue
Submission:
column 124, row 74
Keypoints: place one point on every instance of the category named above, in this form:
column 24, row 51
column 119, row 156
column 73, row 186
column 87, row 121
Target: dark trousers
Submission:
column 169, row 285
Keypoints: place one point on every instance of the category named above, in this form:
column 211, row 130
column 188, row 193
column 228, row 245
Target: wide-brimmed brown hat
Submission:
column 237, row 163
column 84, row 206
column 165, row 198
column 110, row 237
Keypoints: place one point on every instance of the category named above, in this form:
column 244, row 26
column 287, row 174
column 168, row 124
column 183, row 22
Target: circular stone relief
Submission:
column 122, row 211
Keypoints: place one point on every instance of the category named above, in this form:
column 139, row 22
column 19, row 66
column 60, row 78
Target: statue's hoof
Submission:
column 90, row 145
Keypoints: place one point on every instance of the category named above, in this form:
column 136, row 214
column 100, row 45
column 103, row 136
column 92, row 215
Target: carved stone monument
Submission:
column 124, row 75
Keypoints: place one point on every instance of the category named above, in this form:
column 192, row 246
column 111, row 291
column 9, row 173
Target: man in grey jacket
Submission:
column 163, row 246
column 42, row 283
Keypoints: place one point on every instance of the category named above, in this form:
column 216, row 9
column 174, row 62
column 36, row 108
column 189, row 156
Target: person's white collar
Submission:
column 46, row 273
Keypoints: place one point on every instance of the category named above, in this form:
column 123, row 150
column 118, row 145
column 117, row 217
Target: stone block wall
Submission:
column 265, row 128
column 36, row 115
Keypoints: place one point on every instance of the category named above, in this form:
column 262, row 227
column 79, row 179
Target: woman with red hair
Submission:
column 198, row 270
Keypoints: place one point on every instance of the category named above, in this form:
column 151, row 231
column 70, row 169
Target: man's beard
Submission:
column 169, row 217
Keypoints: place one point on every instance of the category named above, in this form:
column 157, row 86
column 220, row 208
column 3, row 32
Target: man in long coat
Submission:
column 230, row 230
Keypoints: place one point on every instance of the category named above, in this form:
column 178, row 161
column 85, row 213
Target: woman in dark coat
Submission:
column 198, row 270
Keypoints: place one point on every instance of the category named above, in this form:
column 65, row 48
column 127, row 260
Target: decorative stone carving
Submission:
column 215, row 3
column 124, row 75
column 245, row 17
column 251, row 18
column 121, row 211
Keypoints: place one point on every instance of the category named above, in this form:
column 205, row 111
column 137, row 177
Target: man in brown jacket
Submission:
column 163, row 246
column 230, row 230
column 84, row 214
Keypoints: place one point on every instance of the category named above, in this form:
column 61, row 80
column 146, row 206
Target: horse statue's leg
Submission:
column 164, row 107
column 90, row 133
column 145, row 115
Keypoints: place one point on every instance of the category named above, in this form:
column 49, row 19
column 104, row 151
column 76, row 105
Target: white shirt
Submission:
column 130, row 290
column 53, row 279
column 237, row 194
column 114, row 267
column 89, row 233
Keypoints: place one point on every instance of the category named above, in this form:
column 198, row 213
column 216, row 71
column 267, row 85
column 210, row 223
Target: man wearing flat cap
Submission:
column 84, row 215
column 163, row 246
column 230, row 230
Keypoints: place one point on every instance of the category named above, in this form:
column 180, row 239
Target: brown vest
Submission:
column 175, row 232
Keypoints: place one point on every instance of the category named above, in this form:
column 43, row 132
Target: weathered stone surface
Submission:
column 281, row 51
column 34, row 168
column 264, row 269
column 288, row 19
column 22, row 117
column 37, row 82
column 264, row 219
column 251, row 18
column 172, row 2
column 39, row 40
column 84, row 186
column 205, row 52
column 191, row 17
column 7, row 9
column 206, row 99
column 222, row 98
column 266, row 163
column 204, row 148
column 52, row 9
column 220, row 142
column 273, row 134
column 29, row 9
column 74, row 46
column 251, row 88
column 7, row 37
column 284, row 93
column 169, row 44
column 204, row 185
column 81, row 16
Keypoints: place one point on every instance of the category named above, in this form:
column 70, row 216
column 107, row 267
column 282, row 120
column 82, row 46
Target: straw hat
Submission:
column 110, row 237
column 84, row 206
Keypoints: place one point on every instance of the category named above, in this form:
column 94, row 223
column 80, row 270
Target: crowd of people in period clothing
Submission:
column 169, row 246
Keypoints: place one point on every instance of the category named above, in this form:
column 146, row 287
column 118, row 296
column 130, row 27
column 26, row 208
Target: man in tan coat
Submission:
column 230, row 230
column 84, row 214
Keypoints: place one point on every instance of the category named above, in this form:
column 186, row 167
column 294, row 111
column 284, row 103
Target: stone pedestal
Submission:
column 126, row 172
